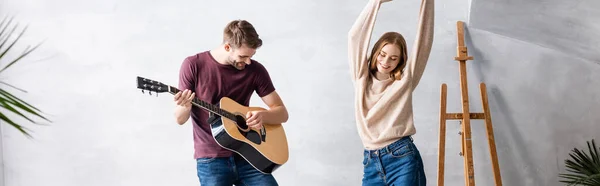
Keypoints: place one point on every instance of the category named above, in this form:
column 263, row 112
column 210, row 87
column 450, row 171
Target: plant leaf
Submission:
column 22, row 104
column 4, row 30
column 7, row 100
column 25, row 53
column 12, row 86
column 583, row 167
column 17, row 126
column 11, row 45
column 13, row 98
column 6, row 38
column 12, row 109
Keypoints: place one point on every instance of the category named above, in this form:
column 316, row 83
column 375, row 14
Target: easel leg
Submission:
column 490, row 134
column 466, row 124
column 442, row 140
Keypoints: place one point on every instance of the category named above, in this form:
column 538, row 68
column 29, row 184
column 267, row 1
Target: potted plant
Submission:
column 583, row 168
column 8, row 101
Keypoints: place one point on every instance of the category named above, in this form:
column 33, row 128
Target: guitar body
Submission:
column 265, row 154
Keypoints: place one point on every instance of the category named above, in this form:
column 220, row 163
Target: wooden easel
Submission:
column 466, row 147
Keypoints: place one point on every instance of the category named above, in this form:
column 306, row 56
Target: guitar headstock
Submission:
column 151, row 85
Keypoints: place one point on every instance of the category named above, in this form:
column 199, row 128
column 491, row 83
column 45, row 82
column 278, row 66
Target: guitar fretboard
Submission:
column 208, row 106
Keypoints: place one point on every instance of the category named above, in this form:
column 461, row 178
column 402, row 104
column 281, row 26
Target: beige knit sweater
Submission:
column 383, row 108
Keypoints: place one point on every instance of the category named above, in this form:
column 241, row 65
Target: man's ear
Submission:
column 227, row 47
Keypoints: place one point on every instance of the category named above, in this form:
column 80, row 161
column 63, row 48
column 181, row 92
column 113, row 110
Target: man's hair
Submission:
column 241, row 32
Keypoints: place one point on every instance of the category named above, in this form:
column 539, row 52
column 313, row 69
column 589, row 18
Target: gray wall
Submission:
column 566, row 26
column 540, row 60
column 106, row 132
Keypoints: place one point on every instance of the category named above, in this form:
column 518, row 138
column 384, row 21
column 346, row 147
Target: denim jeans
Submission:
column 397, row 164
column 230, row 171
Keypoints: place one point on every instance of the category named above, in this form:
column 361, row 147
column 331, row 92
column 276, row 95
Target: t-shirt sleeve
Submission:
column 264, row 85
column 187, row 74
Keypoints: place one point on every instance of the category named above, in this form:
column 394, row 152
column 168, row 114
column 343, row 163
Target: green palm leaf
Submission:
column 8, row 101
column 583, row 168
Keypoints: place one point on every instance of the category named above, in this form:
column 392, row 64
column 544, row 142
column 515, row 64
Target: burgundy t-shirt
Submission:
column 211, row 81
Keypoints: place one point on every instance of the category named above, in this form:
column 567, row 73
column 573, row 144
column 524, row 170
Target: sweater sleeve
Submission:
column 423, row 42
column 359, row 38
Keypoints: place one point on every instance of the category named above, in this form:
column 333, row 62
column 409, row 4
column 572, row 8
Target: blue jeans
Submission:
column 230, row 171
column 397, row 164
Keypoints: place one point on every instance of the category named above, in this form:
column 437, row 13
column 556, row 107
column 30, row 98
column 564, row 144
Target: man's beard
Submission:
column 235, row 64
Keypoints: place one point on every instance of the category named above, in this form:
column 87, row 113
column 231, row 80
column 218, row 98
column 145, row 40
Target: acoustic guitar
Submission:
column 265, row 149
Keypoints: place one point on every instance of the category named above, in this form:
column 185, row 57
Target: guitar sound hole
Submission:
column 251, row 135
column 241, row 122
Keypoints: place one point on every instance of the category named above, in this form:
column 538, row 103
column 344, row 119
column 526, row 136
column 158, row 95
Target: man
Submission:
column 227, row 71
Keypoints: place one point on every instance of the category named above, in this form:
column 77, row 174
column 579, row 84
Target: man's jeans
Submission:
column 229, row 171
column 397, row 164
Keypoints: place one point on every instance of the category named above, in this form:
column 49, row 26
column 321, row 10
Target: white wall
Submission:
column 1, row 159
column 106, row 132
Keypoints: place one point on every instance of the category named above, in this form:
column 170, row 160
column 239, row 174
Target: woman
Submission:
column 384, row 81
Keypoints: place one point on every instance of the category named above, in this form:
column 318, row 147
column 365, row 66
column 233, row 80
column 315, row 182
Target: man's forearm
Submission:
column 275, row 115
column 182, row 114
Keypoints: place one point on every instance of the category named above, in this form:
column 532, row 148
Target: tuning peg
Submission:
column 150, row 92
column 143, row 91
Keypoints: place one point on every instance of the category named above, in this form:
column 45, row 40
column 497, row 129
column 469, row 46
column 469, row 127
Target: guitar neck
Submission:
column 205, row 105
